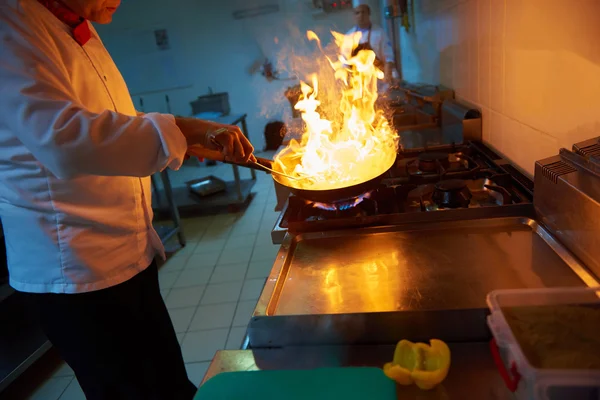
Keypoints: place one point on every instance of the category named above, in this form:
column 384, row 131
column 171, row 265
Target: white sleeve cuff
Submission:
column 174, row 145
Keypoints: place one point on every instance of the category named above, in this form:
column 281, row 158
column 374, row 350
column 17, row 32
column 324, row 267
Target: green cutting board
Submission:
column 357, row 383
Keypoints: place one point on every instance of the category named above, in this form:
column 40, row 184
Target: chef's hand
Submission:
column 231, row 142
column 227, row 139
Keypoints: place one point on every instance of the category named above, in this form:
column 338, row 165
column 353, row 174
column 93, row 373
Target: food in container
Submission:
column 546, row 341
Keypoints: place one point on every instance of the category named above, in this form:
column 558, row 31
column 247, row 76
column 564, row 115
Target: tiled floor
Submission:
column 211, row 286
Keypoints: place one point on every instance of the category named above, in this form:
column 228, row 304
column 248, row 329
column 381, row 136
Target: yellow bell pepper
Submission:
column 419, row 363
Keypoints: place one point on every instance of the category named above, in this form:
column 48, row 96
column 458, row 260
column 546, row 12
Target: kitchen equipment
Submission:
column 206, row 186
column 315, row 384
column 413, row 280
column 337, row 195
column 568, row 198
column 452, row 193
column 460, row 121
column 588, row 148
column 333, row 196
column 329, row 196
column 519, row 372
column 407, row 189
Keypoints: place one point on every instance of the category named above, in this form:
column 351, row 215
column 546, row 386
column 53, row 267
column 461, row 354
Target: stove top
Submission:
column 447, row 178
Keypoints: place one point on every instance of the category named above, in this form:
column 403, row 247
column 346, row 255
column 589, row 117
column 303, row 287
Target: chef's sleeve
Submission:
column 39, row 106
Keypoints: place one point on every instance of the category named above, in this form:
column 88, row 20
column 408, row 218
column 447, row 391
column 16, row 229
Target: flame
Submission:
column 358, row 145
column 344, row 205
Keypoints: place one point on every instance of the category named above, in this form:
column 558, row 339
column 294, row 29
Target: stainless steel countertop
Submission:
column 425, row 267
column 472, row 375
column 415, row 280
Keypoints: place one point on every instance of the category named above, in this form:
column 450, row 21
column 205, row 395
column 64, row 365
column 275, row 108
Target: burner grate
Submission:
column 519, row 177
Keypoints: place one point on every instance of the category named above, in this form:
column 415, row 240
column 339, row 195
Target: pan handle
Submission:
column 261, row 164
column 202, row 152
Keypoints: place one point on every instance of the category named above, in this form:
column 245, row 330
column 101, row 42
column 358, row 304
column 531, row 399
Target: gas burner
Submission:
column 460, row 177
column 434, row 166
column 431, row 162
column 452, row 193
column 419, row 199
column 343, row 205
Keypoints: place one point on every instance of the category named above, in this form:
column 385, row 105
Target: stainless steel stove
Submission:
column 450, row 178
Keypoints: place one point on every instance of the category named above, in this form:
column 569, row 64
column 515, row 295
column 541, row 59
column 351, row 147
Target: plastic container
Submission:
column 520, row 376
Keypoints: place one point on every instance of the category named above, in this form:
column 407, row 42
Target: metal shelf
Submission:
column 188, row 203
column 165, row 232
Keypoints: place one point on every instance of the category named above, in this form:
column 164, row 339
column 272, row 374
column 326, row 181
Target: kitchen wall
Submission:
column 533, row 66
column 209, row 48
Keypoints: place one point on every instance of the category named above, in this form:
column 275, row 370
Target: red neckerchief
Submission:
column 80, row 26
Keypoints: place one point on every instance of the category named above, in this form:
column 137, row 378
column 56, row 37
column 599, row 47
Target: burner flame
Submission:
column 343, row 205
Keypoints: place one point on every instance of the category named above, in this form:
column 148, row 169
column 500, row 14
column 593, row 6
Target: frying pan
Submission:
column 320, row 196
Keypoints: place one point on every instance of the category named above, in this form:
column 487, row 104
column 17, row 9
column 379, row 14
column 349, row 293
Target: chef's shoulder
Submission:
column 22, row 21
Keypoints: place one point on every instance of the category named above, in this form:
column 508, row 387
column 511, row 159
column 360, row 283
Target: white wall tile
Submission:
column 496, row 130
column 532, row 66
column 445, row 48
column 512, row 147
column 497, row 25
column 484, row 51
column 539, row 146
column 473, row 46
column 461, row 54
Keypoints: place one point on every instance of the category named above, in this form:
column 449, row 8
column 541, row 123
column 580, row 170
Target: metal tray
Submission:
column 206, row 186
column 414, row 280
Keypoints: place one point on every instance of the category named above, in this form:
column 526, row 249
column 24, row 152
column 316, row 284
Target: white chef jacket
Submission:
column 380, row 44
column 379, row 41
column 75, row 159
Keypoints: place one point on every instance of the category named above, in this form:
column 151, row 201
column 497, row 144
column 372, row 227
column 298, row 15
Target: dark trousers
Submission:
column 119, row 341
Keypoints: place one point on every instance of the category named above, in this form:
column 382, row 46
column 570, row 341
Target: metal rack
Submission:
column 167, row 232
column 237, row 192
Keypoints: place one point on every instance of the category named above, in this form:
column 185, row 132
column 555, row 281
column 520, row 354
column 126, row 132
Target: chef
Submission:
column 75, row 200
column 371, row 37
